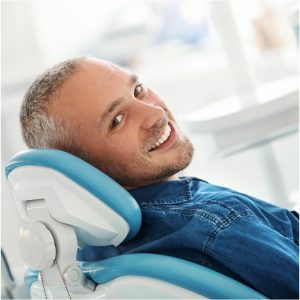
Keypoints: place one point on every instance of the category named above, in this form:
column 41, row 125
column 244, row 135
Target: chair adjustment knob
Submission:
column 37, row 246
column 75, row 277
column 73, row 274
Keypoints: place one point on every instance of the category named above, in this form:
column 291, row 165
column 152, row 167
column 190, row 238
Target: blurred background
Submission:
column 227, row 69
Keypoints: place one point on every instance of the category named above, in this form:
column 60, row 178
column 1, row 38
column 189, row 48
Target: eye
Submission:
column 138, row 89
column 116, row 121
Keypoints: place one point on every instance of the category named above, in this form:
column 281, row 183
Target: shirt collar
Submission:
column 164, row 192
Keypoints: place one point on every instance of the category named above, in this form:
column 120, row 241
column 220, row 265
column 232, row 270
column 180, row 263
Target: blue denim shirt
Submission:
column 240, row 236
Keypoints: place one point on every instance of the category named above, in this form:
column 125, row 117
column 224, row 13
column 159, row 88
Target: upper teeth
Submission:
column 164, row 137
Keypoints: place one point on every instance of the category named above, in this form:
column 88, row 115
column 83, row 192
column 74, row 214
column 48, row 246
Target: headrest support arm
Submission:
column 51, row 246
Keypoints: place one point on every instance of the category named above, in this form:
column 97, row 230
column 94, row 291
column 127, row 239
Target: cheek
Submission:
column 128, row 146
column 91, row 139
column 121, row 146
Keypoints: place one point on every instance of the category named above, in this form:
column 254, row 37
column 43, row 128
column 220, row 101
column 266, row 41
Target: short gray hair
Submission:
column 39, row 129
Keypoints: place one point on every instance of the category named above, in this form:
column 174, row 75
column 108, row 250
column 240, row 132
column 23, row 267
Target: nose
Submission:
column 150, row 114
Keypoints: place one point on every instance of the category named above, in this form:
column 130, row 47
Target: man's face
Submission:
column 126, row 128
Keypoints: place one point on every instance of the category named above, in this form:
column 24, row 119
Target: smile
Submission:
column 165, row 139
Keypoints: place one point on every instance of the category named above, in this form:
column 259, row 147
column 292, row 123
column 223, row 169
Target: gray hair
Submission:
column 39, row 129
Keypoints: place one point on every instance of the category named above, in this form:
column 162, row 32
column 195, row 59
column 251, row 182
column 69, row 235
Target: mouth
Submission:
column 166, row 139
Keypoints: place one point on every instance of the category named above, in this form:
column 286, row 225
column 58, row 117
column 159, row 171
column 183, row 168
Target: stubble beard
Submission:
column 141, row 173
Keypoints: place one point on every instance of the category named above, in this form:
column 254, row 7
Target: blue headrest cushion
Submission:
column 88, row 177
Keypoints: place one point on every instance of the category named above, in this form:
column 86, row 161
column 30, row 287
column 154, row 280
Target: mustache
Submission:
column 154, row 133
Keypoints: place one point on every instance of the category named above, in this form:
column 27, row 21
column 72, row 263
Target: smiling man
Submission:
column 117, row 119
column 104, row 115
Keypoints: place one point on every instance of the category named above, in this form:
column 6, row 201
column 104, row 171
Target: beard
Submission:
column 141, row 172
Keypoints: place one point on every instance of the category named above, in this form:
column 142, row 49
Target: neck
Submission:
column 173, row 177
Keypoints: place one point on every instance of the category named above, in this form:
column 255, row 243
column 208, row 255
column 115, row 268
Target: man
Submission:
column 104, row 115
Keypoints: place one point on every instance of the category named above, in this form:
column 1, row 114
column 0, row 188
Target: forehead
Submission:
column 96, row 75
column 96, row 82
column 100, row 73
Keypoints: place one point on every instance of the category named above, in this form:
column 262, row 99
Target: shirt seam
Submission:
column 163, row 202
column 187, row 189
column 234, row 212
column 231, row 218
column 185, row 212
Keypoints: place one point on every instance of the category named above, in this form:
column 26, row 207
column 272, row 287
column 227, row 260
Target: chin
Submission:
column 177, row 162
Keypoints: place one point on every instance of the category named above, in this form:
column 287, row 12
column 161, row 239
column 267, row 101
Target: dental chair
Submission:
column 65, row 203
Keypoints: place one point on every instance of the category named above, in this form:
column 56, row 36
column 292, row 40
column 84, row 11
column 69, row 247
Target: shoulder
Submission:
column 215, row 208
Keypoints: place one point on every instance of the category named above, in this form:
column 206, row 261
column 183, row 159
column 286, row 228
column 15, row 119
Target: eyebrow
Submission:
column 112, row 107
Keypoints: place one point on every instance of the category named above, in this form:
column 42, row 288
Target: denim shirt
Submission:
column 240, row 236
